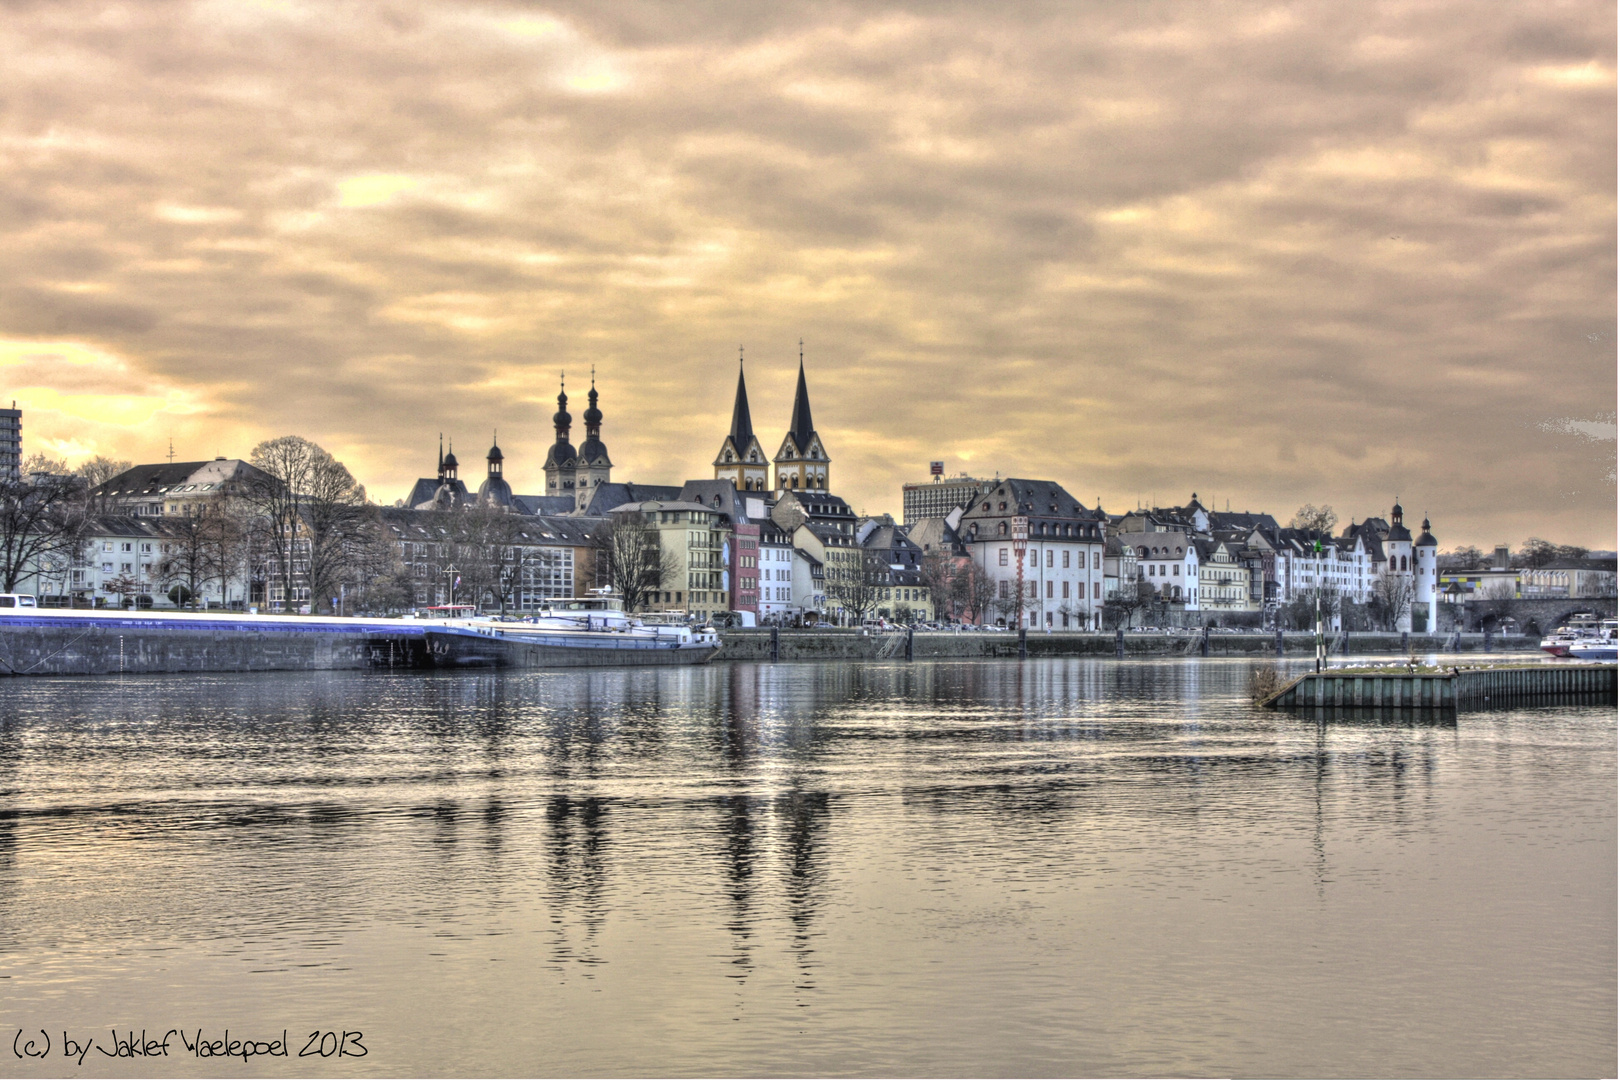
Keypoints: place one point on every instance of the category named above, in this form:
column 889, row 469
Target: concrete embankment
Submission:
column 1443, row 689
column 110, row 650
column 133, row 644
column 832, row 644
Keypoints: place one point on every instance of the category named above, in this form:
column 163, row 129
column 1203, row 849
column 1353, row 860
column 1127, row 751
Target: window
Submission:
column 1006, row 589
column 1096, row 560
column 1049, row 558
column 1065, row 560
column 1065, row 591
column 1003, row 556
column 1096, row 590
column 1049, row 590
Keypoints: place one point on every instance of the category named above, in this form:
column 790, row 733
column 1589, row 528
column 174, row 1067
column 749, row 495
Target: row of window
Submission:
column 1035, row 559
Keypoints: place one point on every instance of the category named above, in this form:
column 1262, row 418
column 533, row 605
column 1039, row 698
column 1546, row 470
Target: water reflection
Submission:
column 728, row 823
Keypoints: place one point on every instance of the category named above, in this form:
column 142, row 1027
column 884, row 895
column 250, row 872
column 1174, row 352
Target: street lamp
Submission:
column 451, row 572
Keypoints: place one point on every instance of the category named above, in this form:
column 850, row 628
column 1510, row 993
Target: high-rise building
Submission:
column 939, row 498
column 11, row 443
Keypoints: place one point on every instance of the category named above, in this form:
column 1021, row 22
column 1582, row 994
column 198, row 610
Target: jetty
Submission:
column 1447, row 689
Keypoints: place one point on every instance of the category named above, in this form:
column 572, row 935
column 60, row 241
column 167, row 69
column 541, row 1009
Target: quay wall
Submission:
column 1431, row 689
column 833, row 644
column 136, row 649
column 133, row 645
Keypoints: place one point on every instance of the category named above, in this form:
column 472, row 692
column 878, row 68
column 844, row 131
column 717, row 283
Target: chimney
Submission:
column 1501, row 557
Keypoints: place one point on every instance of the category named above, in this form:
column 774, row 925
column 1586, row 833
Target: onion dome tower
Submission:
column 495, row 491
column 592, row 466
column 560, row 458
column 741, row 459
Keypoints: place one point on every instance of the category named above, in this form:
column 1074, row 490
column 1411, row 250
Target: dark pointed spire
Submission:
column 802, row 427
column 742, row 424
column 441, row 455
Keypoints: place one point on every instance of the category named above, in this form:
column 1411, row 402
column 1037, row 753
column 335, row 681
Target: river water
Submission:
column 989, row 868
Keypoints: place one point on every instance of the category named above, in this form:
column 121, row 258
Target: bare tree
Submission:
column 1317, row 518
column 315, row 510
column 858, row 590
column 1467, row 557
column 41, row 517
column 1392, row 596
column 98, row 470
column 629, row 555
column 939, row 571
column 37, row 464
column 188, row 562
column 1537, row 552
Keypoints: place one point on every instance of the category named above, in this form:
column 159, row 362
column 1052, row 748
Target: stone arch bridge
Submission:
column 1538, row 616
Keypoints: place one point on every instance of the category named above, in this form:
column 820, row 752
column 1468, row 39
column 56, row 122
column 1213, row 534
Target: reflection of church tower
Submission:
column 741, row 459
column 802, row 463
column 560, row 458
column 592, row 466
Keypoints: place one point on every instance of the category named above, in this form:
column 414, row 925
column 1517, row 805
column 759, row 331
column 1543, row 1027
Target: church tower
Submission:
column 741, row 459
column 802, row 463
column 592, row 466
column 560, row 458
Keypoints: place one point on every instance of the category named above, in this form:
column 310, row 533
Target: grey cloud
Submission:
column 1358, row 228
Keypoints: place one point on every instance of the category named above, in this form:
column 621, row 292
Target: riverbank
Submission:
column 836, row 644
column 131, row 643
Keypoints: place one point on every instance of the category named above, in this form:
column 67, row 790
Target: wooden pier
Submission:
column 1448, row 690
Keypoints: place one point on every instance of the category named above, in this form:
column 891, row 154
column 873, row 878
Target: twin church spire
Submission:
column 801, row 461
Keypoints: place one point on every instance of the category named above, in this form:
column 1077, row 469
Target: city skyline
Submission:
column 1305, row 254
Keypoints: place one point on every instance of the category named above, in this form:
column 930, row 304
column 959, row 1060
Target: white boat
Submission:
column 1601, row 646
column 576, row 632
column 1578, row 631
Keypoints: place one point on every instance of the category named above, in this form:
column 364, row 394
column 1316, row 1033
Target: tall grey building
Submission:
column 939, row 498
column 11, row 443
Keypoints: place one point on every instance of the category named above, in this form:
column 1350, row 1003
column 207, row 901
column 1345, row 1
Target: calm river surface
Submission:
column 989, row 868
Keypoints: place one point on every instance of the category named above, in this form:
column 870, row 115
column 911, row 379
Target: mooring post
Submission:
column 1023, row 645
column 1203, row 646
column 775, row 644
column 1487, row 639
column 1119, row 643
column 911, row 634
column 1406, row 641
column 1279, row 641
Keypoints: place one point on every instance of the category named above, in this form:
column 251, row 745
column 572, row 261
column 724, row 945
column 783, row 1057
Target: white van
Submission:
column 17, row 599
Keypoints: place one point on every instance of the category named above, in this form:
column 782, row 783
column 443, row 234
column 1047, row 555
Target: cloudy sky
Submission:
column 1318, row 252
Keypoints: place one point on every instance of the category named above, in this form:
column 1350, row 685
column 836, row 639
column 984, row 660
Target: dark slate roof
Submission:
column 495, row 490
column 561, row 453
column 718, row 495
column 1245, row 521
column 932, row 534
column 771, row 533
column 422, row 491
column 606, row 496
column 149, row 479
column 593, row 452
column 1044, row 502
column 543, row 504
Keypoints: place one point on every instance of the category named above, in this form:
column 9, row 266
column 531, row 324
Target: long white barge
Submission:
column 50, row 641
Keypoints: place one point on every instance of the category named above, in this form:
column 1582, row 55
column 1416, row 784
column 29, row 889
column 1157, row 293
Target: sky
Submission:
column 1272, row 254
